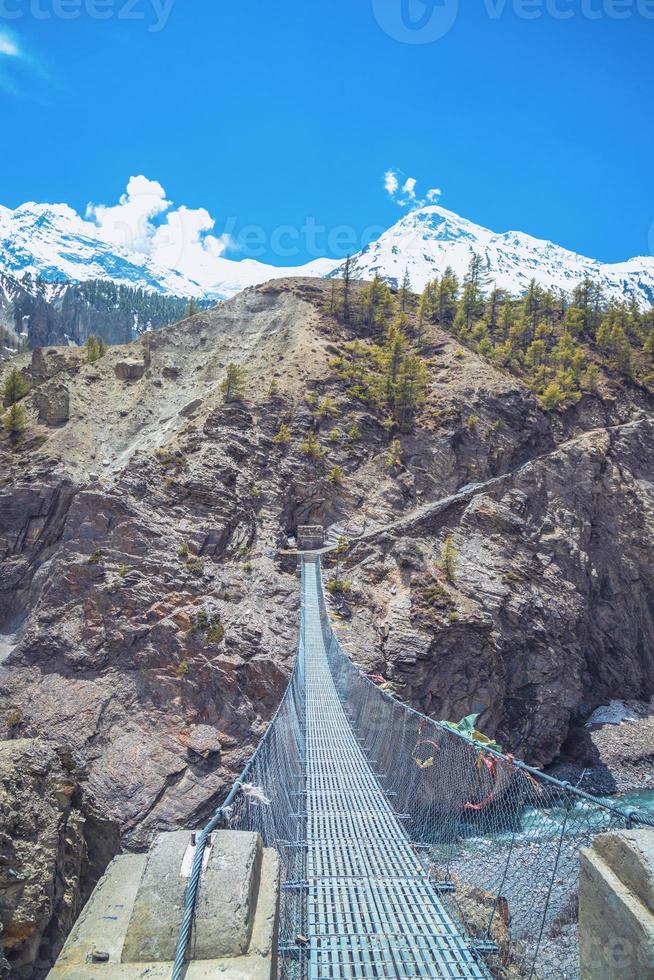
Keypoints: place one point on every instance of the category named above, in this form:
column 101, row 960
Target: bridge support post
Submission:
column 310, row 537
column 130, row 925
column 616, row 906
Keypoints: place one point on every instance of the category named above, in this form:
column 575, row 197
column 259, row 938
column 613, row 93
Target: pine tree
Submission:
column 376, row 305
column 311, row 447
column 471, row 304
column 233, row 387
column 15, row 419
column 92, row 348
column 192, row 308
column 447, row 294
column 409, row 390
column 449, row 556
column 347, row 289
column 392, row 358
column 394, row 456
column 283, row 436
column 15, row 387
column 405, row 291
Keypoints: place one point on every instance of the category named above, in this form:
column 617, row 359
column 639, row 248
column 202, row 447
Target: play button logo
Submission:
column 416, row 21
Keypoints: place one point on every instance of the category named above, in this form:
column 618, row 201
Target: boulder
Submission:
column 129, row 370
column 203, row 740
column 53, row 403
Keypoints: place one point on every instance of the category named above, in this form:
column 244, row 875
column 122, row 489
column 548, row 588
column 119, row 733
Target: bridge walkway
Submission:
column 372, row 910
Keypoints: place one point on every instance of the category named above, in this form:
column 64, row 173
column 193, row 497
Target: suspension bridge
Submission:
column 409, row 849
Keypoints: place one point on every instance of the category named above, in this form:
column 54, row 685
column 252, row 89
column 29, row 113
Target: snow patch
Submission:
column 614, row 713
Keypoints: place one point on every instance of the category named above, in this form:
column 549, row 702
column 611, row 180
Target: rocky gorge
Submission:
column 148, row 614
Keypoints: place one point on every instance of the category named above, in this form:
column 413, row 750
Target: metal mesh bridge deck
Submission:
column 371, row 908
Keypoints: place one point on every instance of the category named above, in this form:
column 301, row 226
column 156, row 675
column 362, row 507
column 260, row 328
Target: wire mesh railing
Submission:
column 502, row 838
column 499, row 840
column 265, row 798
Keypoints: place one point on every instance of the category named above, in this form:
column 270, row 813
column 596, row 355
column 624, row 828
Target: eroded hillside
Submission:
column 148, row 621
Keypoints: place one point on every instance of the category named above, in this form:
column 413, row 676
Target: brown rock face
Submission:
column 549, row 612
column 53, row 848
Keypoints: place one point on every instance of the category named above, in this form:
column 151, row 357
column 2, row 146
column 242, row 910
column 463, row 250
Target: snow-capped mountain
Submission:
column 52, row 242
column 427, row 240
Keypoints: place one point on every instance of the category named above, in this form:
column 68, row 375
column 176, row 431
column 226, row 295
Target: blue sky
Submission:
column 265, row 113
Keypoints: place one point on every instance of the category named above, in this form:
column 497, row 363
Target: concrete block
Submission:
column 129, row 927
column 616, row 907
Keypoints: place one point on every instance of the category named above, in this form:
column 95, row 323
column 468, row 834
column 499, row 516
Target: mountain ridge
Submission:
column 425, row 241
column 52, row 242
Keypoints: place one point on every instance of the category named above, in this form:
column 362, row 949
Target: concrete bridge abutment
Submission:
column 616, row 907
column 130, row 925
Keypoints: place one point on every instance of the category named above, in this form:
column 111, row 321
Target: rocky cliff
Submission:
column 147, row 619
column 53, row 847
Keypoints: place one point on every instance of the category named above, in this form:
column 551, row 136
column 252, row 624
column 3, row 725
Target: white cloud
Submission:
column 391, row 183
column 405, row 195
column 20, row 68
column 409, row 188
column 176, row 237
column 129, row 222
column 8, row 45
column 182, row 243
column 12, row 60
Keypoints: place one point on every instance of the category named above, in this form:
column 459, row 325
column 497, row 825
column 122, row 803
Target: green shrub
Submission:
column 342, row 545
column 233, row 387
column 449, row 559
column 95, row 349
column 336, row 475
column 15, row 420
column 215, row 633
column 14, row 718
column 283, row 437
column 15, row 387
column 327, row 408
column 394, row 456
column 311, row 447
